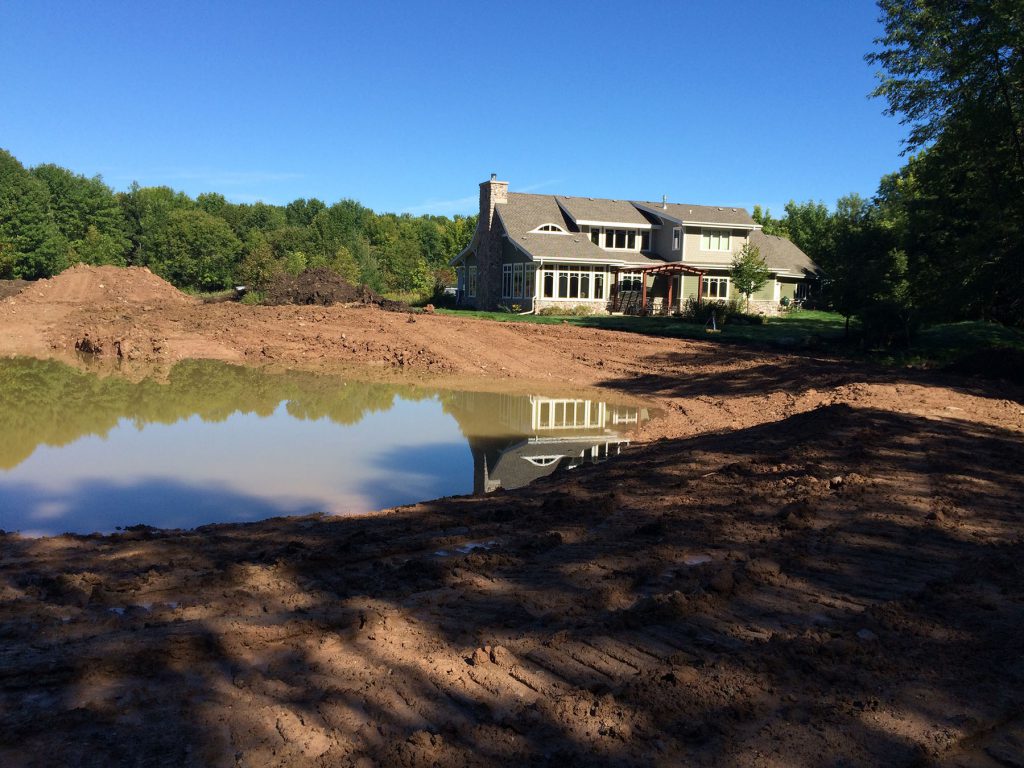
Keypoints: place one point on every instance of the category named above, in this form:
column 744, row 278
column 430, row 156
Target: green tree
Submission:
column 195, row 250
column 87, row 214
column 809, row 226
column 31, row 245
column 953, row 71
column 769, row 224
column 749, row 271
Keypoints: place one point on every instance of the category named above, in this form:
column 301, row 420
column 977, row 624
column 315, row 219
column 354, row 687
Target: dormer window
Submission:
column 551, row 228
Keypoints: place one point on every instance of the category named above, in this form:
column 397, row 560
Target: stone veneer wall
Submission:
column 488, row 255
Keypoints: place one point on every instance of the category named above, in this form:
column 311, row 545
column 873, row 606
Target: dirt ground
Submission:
column 806, row 562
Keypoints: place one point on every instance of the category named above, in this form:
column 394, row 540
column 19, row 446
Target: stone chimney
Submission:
column 492, row 193
column 490, row 243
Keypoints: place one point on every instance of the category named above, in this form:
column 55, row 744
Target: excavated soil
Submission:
column 808, row 562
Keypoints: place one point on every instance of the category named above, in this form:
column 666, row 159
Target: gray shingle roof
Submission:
column 598, row 209
column 782, row 254
column 523, row 213
column 704, row 214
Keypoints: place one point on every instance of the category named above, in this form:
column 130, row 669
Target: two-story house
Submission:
column 535, row 251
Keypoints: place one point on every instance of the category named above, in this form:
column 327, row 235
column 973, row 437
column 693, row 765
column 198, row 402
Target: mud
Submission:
column 808, row 562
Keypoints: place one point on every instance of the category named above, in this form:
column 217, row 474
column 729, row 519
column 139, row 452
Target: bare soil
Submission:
column 808, row 562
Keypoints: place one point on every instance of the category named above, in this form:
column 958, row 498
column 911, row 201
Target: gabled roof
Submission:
column 523, row 213
column 584, row 210
column 702, row 214
column 782, row 255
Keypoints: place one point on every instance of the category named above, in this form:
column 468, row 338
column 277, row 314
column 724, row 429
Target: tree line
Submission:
column 51, row 217
column 943, row 237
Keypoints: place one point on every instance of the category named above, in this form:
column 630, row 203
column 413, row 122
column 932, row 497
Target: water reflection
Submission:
column 213, row 442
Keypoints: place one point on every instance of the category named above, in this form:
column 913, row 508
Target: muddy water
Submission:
column 210, row 442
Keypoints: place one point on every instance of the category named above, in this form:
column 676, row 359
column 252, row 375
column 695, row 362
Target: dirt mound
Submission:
column 83, row 285
column 12, row 287
column 323, row 287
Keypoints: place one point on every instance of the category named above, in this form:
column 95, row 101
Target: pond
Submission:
column 210, row 443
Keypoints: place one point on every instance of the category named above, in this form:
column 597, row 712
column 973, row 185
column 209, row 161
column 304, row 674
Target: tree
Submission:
column 953, row 71
column 769, row 224
column 31, row 245
column 749, row 272
column 950, row 63
column 87, row 214
column 196, row 250
column 809, row 226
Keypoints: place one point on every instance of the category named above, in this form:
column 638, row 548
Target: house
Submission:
column 538, row 251
column 516, row 439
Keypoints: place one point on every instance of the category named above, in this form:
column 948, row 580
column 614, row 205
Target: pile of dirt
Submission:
column 86, row 286
column 323, row 287
column 12, row 287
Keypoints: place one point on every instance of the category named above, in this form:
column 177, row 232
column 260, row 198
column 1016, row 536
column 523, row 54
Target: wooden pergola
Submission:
column 670, row 269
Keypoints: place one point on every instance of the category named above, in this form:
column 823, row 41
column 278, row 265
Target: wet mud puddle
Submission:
column 212, row 443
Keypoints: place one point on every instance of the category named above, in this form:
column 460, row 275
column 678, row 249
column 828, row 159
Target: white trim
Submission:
column 615, row 224
column 538, row 231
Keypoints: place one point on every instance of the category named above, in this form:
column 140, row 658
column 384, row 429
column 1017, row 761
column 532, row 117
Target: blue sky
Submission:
column 408, row 106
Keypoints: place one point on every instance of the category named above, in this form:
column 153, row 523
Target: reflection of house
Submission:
column 518, row 439
column 540, row 251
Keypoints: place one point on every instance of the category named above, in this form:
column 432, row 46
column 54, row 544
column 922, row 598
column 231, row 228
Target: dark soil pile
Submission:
column 322, row 287
column 11, row 287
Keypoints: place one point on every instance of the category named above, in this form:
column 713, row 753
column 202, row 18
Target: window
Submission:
column 517, row 281
column 471, row 282
column 677, row 238
column 630, row 281
column 460, row 278
column 506, row 281
column 549, row 228
column 715, row 240
column 620, row 238
column 716, row 287
column 609, row 238
column 595, row 236
column 645, row 241
column 529, row 281
column 565, row 281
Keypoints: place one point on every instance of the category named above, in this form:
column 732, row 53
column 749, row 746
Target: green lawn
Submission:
column 800, row 329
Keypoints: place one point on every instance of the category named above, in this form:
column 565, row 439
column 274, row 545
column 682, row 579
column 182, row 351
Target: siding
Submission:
column 694, row 255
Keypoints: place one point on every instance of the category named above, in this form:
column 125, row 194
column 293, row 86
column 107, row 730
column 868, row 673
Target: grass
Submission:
column 799, row 329
column 794, row 329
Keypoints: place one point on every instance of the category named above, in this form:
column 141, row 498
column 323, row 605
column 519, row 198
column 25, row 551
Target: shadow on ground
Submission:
column 844, row 583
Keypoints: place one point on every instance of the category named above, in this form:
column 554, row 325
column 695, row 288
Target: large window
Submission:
column 471, row 282
column 619, row 239
column 506, row 281
column 715, row 240
column 517, row 280
column 573, row 282
column 716, row 287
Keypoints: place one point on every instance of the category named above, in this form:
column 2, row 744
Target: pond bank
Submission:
column 806, row 558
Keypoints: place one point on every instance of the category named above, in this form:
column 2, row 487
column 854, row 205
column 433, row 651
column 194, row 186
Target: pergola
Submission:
column 670, row 269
